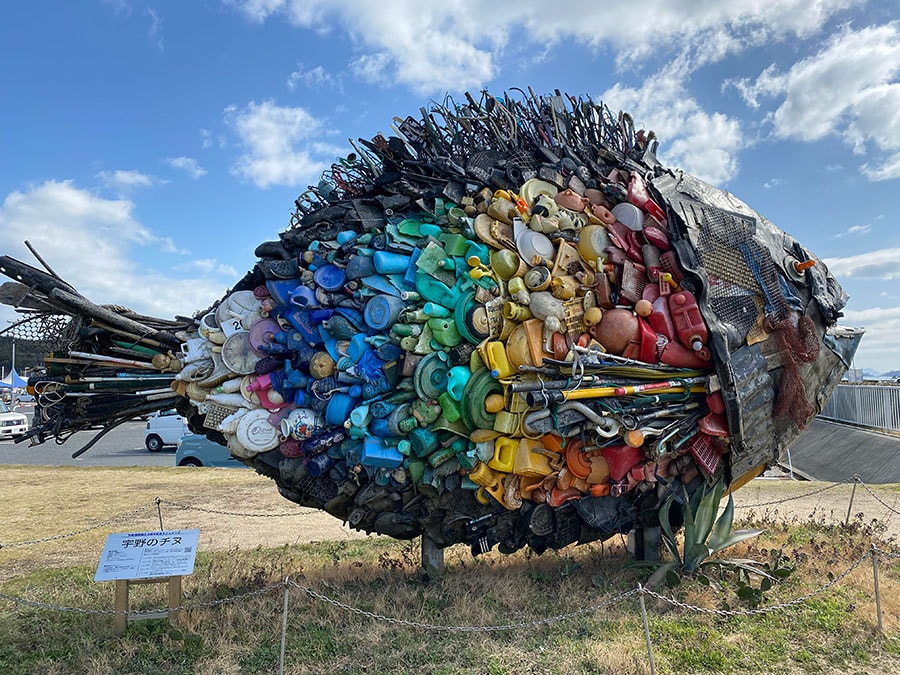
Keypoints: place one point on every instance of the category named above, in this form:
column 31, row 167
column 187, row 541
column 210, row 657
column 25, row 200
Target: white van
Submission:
column 164, row 428
column 12, row 424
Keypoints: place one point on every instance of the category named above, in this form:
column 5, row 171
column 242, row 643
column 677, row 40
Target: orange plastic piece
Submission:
column 600, row 490
column 577, row 462
column 554, row 443
column 529, row 484
column 559, row 497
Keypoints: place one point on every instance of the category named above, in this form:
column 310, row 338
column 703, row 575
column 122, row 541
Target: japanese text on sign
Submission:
column 147, row 555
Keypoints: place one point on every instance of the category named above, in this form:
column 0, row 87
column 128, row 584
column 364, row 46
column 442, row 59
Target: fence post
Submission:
column 646, row 630
column 877, row 589
column 284, row 620
column 852, row 495
column 159, row 513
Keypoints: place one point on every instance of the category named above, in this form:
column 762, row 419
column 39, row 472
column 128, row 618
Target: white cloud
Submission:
column 879, row 347
column 849, row 89
column 773, row 183
column 155, row 30
column 372, row 68
column 433, row 46
column 882, row 264
column 313, row 78
column 278, row 143
column 704, row 144
column 890, row 168
column 91, row 242
column 125, row 179
column 188, row 164
column 854, row 229
column 209, row 266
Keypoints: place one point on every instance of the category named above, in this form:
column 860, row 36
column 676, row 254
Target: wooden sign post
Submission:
column 137, row 558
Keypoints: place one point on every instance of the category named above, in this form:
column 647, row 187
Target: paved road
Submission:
column 123, row 446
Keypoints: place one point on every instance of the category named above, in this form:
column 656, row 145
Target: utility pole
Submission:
column 12, row 375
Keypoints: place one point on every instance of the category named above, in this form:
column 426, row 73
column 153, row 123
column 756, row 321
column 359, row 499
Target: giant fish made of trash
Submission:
column 504, row 324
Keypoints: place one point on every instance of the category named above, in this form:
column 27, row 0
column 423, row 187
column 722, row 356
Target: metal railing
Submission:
column 874, row 406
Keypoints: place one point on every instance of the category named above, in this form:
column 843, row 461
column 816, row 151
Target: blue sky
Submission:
column 148, row 146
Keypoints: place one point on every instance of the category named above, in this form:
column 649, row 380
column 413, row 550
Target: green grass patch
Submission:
column 831, row 630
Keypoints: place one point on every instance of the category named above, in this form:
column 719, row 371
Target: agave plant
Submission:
column 704, row 537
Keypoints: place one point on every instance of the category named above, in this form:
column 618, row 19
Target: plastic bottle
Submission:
column 689, row 325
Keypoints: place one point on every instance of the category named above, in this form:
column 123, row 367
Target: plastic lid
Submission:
column 629, row 215
column 263, row 333
column 255, row 433
column 238, row 450
column 430, row 377
column 330, row 277
column 533, row 244
column 382, row 311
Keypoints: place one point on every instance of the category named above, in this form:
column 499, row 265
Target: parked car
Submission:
column 12, row 424
column 198, row 450
column 164, row 429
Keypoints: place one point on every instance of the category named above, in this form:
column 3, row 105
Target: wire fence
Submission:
column 874, row 552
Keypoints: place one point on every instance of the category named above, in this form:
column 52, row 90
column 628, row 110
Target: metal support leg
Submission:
column 432, row 558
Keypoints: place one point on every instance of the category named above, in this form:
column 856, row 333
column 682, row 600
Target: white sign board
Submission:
column 148, row 555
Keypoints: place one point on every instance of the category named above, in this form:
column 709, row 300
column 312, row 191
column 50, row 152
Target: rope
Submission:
column 461, row 629
column 191, row 507
column 878, row 499
column 116, row 519
column 761, row 610
column 111, row 612
column 788, row 499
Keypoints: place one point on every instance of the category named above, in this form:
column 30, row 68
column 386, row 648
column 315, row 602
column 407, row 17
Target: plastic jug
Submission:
column 497, row 360
column 529, row 462
column 689, row 324
column 504, row 454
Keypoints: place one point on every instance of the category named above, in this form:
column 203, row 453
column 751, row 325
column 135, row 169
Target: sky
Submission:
column 148, row 146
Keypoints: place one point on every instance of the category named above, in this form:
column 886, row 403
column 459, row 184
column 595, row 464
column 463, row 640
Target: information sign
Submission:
column 148, row 555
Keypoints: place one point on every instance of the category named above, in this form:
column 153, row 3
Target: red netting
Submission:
column 796, row 344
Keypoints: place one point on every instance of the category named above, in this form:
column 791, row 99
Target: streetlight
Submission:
column 12, row 376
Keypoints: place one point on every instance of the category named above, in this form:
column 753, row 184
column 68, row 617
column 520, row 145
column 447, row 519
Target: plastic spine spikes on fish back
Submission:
column 507, row 323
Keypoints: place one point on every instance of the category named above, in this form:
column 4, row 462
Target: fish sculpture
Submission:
column 505, row 324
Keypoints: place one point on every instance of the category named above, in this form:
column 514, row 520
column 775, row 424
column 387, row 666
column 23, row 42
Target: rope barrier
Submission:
column 879, row 500
column 761, row 610
column 127, row 514
column 112, row 612
column 461, row 629
column 889, row 554
column 191, row 507
column 788, row 499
